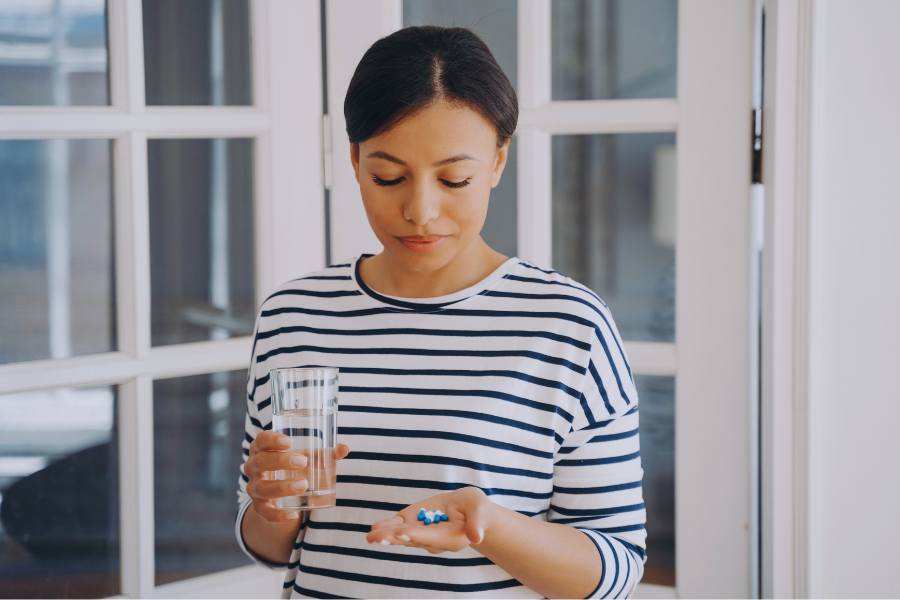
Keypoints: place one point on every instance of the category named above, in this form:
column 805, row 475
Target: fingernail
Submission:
column 384, row 542
column 403, row 537
column 480, row 535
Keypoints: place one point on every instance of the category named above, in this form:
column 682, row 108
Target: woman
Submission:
column 471, row 382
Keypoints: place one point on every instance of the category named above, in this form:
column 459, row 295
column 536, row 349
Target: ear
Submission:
column 500, row 163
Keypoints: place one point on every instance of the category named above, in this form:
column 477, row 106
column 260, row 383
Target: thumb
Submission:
column 476, row 523
column 342, row 451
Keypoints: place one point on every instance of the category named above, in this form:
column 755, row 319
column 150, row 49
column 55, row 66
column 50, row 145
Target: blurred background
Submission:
column 165, row 163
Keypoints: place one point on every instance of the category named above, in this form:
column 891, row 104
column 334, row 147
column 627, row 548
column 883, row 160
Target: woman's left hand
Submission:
column 468, row 511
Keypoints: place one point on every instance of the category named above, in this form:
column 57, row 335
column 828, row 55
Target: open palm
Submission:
column 466, row 508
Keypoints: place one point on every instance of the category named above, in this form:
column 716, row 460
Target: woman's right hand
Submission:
column 270, row 452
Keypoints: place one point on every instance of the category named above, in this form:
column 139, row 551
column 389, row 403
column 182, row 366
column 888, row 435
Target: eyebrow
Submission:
column 394, row 159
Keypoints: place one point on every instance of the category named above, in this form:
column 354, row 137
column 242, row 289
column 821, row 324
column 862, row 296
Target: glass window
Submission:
column 198, row 425
column 614, row 225
column 56, row 249
column 613, row 49
column 59, row 494
column 657, row 432
column 197, row 52
column 53, row 52
column 201, row 240
column 495, row 22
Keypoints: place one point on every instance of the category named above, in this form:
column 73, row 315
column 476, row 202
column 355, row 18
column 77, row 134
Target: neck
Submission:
column 387, row 275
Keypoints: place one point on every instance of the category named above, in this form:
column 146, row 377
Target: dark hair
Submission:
column 414, row 67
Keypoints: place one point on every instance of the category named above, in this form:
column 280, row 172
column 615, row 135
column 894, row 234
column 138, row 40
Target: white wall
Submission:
column 854, row 306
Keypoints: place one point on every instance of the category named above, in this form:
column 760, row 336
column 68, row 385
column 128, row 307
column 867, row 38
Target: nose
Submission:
column 423, row 205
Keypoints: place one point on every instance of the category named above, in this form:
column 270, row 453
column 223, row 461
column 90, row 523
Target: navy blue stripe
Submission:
column 606, row 460
column 486, row 333
column 451, row 312
column 443, row 435
column 556, row 385
column 437, row 485
column 636, row 549
column 317, row 293
column 421, row 352
column 588, row 413
column 612, row 363
column 340, row 526
column 477, row 393
column 605, row 422
column 327, row 277
column 264, row 403
column 563, row 283
column 622, row 528
column 596, row 377
column 597, row 512
column 603, row 489
column 526, row 296
column 410, row 583
column 314, row 593
column 463, row 414
column 601, row 438
column 396, row 556
column 602, row 564
column 445, row 460
column 616, row 572
column 627, row 574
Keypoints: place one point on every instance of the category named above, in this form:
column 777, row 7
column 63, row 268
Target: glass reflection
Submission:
column 613, row 49
column 59, row 494
column 201, row 240
column 198, row 424
column 657, row 431
column 614, row 225
column 197, row 52
column 53, row 52
column 57, row 292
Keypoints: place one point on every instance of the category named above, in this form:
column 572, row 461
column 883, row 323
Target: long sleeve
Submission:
column 252, row 426
column 597, row 485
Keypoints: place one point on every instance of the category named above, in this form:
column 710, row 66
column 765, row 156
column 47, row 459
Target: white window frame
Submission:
column 285, row 124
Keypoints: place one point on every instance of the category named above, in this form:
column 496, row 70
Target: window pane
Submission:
column 198, row 424
column 57, row 295
column 657, row 431
column 197, row 52
column 614, row 225
column 53, row 52
column 494, row 21
column 605, row 49
column 59, row 494
column 201, row 240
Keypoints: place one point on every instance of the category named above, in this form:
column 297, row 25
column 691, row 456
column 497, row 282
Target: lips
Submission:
column 419, row 243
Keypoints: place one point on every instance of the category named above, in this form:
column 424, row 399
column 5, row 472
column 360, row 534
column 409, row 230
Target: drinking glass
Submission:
column 304, row 408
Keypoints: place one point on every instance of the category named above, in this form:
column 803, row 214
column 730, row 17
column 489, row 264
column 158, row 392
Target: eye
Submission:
column 451, row 184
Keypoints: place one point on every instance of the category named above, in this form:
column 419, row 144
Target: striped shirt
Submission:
column 518, row 384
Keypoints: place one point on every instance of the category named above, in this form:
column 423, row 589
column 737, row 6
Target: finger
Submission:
column 274, row 461
column 476, row 523
column 268, row 511
column 398, row 520
column 273, row 441
column 342, row 451
column 269, row 490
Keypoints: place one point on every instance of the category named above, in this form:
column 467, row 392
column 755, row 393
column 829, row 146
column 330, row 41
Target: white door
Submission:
column 630, row 171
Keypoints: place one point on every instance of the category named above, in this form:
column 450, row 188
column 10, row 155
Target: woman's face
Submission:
column 431, row 174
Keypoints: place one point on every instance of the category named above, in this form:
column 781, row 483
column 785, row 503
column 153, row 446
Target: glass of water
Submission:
column 304, row 408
